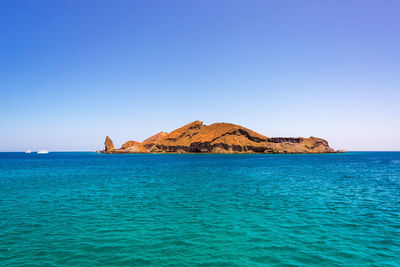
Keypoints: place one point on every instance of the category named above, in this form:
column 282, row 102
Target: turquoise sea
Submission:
column 88, row 209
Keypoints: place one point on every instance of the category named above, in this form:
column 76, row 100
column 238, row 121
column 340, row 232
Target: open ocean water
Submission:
column 88, row 209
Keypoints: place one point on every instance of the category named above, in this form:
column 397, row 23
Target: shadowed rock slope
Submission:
column 196, row 137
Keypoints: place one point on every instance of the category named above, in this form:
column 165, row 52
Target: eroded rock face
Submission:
column 108, row 143
column 284, row 139
column 196, row 137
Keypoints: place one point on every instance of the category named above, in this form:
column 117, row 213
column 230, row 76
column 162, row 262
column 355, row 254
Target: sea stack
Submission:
column 108, row 144
column 196, row 137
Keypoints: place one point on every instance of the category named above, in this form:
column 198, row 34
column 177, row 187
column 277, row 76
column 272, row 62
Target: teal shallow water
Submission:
column 87, row 209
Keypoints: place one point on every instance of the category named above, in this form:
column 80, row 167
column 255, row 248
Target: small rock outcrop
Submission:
column 108, row 143
column 128, row 144
column 196, row 137
column 155, row 137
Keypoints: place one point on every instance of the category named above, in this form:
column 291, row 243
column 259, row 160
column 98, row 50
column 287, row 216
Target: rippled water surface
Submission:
column 88, row 209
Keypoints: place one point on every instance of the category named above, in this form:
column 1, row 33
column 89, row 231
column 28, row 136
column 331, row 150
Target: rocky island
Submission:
column 196, row 137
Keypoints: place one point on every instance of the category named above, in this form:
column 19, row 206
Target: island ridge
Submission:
column 196, row 137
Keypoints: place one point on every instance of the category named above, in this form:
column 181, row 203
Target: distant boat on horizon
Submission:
column 43, row 151
column 28, row 151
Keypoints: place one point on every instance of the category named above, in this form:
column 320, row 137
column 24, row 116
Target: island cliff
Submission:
column 196, row 137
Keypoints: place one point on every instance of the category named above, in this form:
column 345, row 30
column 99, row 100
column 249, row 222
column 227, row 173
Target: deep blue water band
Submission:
column 90, row 209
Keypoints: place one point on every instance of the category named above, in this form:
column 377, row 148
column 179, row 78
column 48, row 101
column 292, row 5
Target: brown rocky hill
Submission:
column 129, row 144
column 196, row 137
column 155, row 137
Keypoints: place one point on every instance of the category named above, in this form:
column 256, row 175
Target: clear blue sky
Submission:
column 72, row 72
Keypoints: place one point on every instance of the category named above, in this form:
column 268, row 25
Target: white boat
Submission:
column 43, row 151
column 28, row 151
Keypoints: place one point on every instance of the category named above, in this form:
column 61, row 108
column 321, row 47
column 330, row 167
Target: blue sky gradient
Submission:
column 72, row 72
